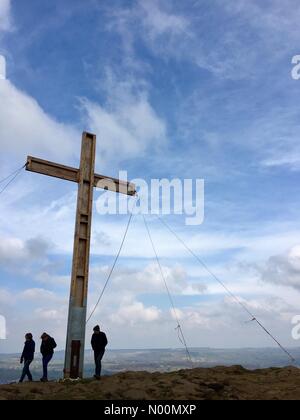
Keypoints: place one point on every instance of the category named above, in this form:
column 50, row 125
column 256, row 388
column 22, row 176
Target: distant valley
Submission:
column 163, row 360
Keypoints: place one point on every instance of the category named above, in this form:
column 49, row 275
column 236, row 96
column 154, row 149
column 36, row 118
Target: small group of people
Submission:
column 48, row 344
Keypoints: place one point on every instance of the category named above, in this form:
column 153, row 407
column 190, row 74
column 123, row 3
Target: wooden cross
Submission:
column 87, row 180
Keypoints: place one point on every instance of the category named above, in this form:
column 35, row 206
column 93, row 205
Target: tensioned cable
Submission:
column 253, row 317
column 178, row 328
column 114, row 265
column 9, row 176
column 14, row 175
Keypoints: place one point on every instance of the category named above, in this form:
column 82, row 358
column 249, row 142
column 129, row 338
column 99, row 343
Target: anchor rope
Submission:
column 205, row 266
column 178, row 328
column 13, row 176
column 10, row 178
column 114, row 264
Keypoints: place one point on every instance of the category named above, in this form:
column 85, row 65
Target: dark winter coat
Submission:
column 48, row 346
column 29, row 349
column 99, row 342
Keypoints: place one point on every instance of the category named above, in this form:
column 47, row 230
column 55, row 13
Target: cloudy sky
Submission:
column 194, row 89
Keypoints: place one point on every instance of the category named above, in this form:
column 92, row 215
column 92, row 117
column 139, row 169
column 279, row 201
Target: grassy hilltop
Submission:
column 233, row 383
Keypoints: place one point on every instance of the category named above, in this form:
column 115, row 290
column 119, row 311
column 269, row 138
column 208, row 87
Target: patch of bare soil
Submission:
column 220, row 383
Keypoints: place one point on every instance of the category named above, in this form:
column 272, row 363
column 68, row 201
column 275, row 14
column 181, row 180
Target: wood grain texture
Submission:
column 68, row 173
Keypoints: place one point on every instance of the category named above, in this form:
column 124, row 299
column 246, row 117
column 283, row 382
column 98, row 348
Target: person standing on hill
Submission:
column 27, row 357
column 47, row 349
column 98, row 342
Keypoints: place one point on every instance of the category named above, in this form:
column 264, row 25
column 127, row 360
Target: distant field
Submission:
column 163, row 360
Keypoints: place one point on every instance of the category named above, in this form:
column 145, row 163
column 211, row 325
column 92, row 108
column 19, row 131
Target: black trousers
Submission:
column 98, row 361
column 46, row 360
column 26, row 371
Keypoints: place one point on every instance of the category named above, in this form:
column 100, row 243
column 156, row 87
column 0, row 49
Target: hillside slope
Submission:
column 211, row 384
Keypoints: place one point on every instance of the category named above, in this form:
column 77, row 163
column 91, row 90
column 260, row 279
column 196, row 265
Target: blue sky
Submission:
column 194, row 89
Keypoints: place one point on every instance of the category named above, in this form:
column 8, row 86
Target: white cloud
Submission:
column 47, row 278
column 279, row 18
column 5, row 17
column 52, row 225
column 2, row 67
column 130, row 124
column 159, row 22
column 6, row 297
column 217, row 323
column 127, row 124
column 158, row 26
column 11, row 249
column 55, row 315
column 131, row 323
column 270, row 137
column 146, row 280
column 31, row 130
column 283, row 269
column 134, row 313
column 163, row 30
column 171, row 33
column 55, row 223
column 39, row 295
column 128, row 127
column 274, row 137
column 16, row 253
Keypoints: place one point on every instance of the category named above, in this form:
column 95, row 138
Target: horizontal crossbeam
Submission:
column 68, row 173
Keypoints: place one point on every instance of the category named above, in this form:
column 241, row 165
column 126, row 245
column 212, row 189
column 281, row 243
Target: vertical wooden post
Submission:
column 74, row 357
column 86, row 179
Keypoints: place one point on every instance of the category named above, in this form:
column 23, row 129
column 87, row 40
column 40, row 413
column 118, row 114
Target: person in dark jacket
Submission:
column 47, row 349
column 27, row 357
column 98, row 342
